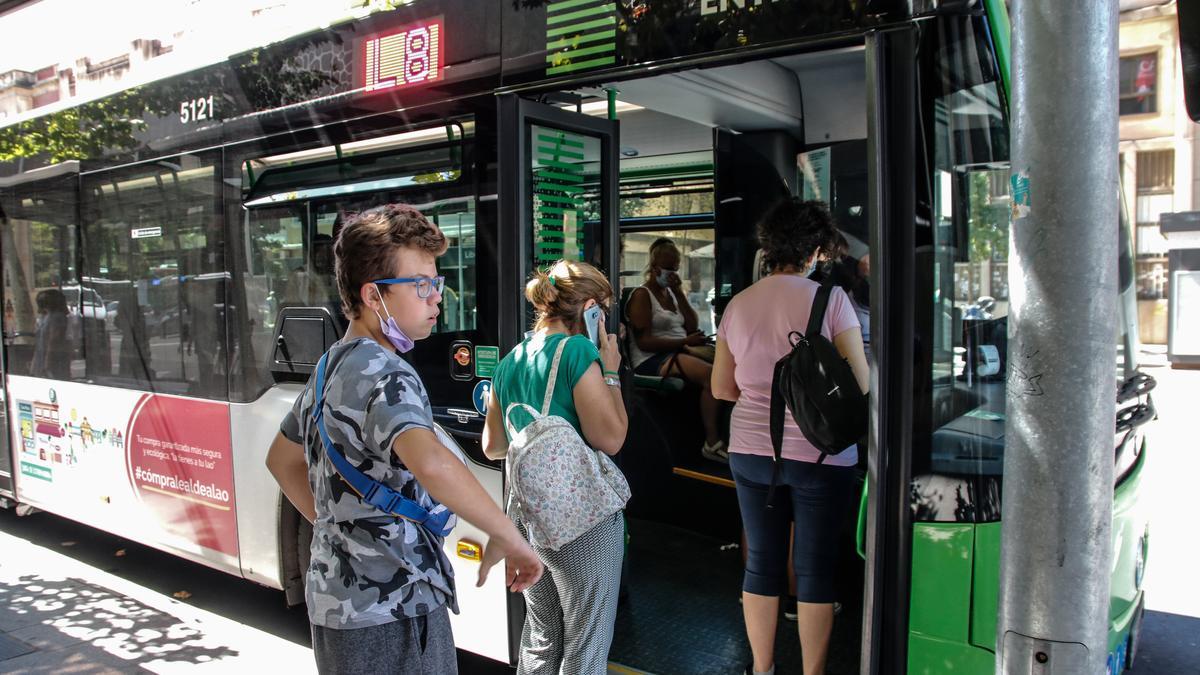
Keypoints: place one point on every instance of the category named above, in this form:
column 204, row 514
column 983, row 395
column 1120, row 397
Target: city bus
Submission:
column 185, row 208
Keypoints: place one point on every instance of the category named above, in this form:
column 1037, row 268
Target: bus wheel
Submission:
column 297, row 556
column 304, row 535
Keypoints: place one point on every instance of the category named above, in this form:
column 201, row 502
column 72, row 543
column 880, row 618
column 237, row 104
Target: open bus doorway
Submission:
column 703, row 154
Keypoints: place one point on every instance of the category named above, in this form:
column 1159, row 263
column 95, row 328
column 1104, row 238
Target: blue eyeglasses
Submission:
column 425, row 285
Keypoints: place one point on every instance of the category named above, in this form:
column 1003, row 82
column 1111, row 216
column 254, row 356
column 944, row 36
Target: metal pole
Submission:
column 1056, row 554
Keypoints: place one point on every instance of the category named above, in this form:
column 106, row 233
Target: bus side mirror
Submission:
column 302, row 335
column 1188, row 12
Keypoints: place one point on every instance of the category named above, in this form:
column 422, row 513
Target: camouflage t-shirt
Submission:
column 368, row 568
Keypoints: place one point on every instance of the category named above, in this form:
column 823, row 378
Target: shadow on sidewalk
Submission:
column 70, row 620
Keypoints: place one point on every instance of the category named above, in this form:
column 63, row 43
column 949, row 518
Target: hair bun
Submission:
column 541, row 291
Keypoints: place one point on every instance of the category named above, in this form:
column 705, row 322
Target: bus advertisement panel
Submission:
column 157, row 468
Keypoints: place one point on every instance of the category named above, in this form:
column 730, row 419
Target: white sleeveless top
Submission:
column 663, row 323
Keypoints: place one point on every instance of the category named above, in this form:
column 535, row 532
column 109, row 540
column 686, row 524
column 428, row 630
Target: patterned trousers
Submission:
column 570, row 611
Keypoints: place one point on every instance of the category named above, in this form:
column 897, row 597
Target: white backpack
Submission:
column 560, row 487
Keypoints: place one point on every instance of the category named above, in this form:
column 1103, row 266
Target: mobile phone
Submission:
column 592, row 317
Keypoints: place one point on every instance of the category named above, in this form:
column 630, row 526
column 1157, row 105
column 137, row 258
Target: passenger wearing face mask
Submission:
column 380, row 587
column 664, row 326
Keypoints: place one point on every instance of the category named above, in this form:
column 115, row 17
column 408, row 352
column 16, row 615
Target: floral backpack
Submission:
column 559, row 486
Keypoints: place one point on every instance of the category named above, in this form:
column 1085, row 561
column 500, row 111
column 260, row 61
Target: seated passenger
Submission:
column 664, row 327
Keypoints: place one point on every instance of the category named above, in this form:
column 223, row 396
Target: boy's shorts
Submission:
column 417, row 645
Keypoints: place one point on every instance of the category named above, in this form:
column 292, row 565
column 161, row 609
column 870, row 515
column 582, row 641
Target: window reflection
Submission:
column 962, row 293
column 42, row 318
column 152, row 253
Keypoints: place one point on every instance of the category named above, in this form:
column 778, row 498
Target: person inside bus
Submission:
column 570, row 613
column 51, row 350
column 752, row 336
column 665, row 333
column 379, row 587
column 309, row 286
column 853, row 275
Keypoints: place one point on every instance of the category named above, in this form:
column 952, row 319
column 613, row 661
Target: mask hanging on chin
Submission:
column 391, row 331
column 664, row 279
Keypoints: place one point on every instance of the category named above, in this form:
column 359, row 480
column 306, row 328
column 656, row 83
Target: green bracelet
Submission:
column 612, row 372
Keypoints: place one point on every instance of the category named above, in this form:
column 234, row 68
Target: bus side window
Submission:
column 696, row 267
column 152, row 241
column 42, row 319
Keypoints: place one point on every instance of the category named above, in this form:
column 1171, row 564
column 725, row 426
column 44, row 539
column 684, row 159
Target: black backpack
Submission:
column 817, row 385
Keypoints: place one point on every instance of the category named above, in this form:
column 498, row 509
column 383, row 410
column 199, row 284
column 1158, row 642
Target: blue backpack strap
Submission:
column 370, row 490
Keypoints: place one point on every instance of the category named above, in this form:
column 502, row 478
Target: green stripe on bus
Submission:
column 547, row 155
column 598, row 49
column 565, row 166
column 552, row 245
column 557, row 199
column 559, row 210
column 568, row 4
column 549, row 222
column 552, row 179
column 603, row 61
column 580, row 39
column 581, row 14
column 569, row 190
column 574, row 178
column 569, row 141
column 580, row 27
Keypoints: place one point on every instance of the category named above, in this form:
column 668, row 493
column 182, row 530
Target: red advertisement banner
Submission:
column 181, row 467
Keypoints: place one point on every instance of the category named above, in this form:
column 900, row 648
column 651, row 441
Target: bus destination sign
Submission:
column 411, row 55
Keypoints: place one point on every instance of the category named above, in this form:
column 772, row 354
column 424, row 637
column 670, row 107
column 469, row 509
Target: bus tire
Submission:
column 295, row 539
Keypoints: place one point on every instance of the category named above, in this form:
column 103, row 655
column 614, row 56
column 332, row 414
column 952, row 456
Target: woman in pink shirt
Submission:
column 752, row 336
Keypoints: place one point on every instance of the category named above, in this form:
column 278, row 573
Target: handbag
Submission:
column 558, row 486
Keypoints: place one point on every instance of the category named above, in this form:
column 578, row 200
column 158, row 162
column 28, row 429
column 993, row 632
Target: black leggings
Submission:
column 816, row 497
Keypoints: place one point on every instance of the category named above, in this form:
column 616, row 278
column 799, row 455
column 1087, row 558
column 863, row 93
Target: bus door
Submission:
column 558, row 198
column 558, row 177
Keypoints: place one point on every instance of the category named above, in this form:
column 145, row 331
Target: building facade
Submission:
column 1160, row 161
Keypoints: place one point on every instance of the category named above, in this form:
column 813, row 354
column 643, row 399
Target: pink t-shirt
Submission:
column 755, row 326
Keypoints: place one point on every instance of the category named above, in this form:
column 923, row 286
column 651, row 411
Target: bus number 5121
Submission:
column 196, row 109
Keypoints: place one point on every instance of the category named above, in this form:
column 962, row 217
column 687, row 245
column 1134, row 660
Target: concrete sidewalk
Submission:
column 59, row 615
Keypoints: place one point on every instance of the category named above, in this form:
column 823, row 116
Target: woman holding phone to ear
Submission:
column 570, row 612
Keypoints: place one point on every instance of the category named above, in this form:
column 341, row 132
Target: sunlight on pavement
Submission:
column 58, row 614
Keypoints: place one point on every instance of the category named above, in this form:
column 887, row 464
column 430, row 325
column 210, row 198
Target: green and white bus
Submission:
column 183, row 201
